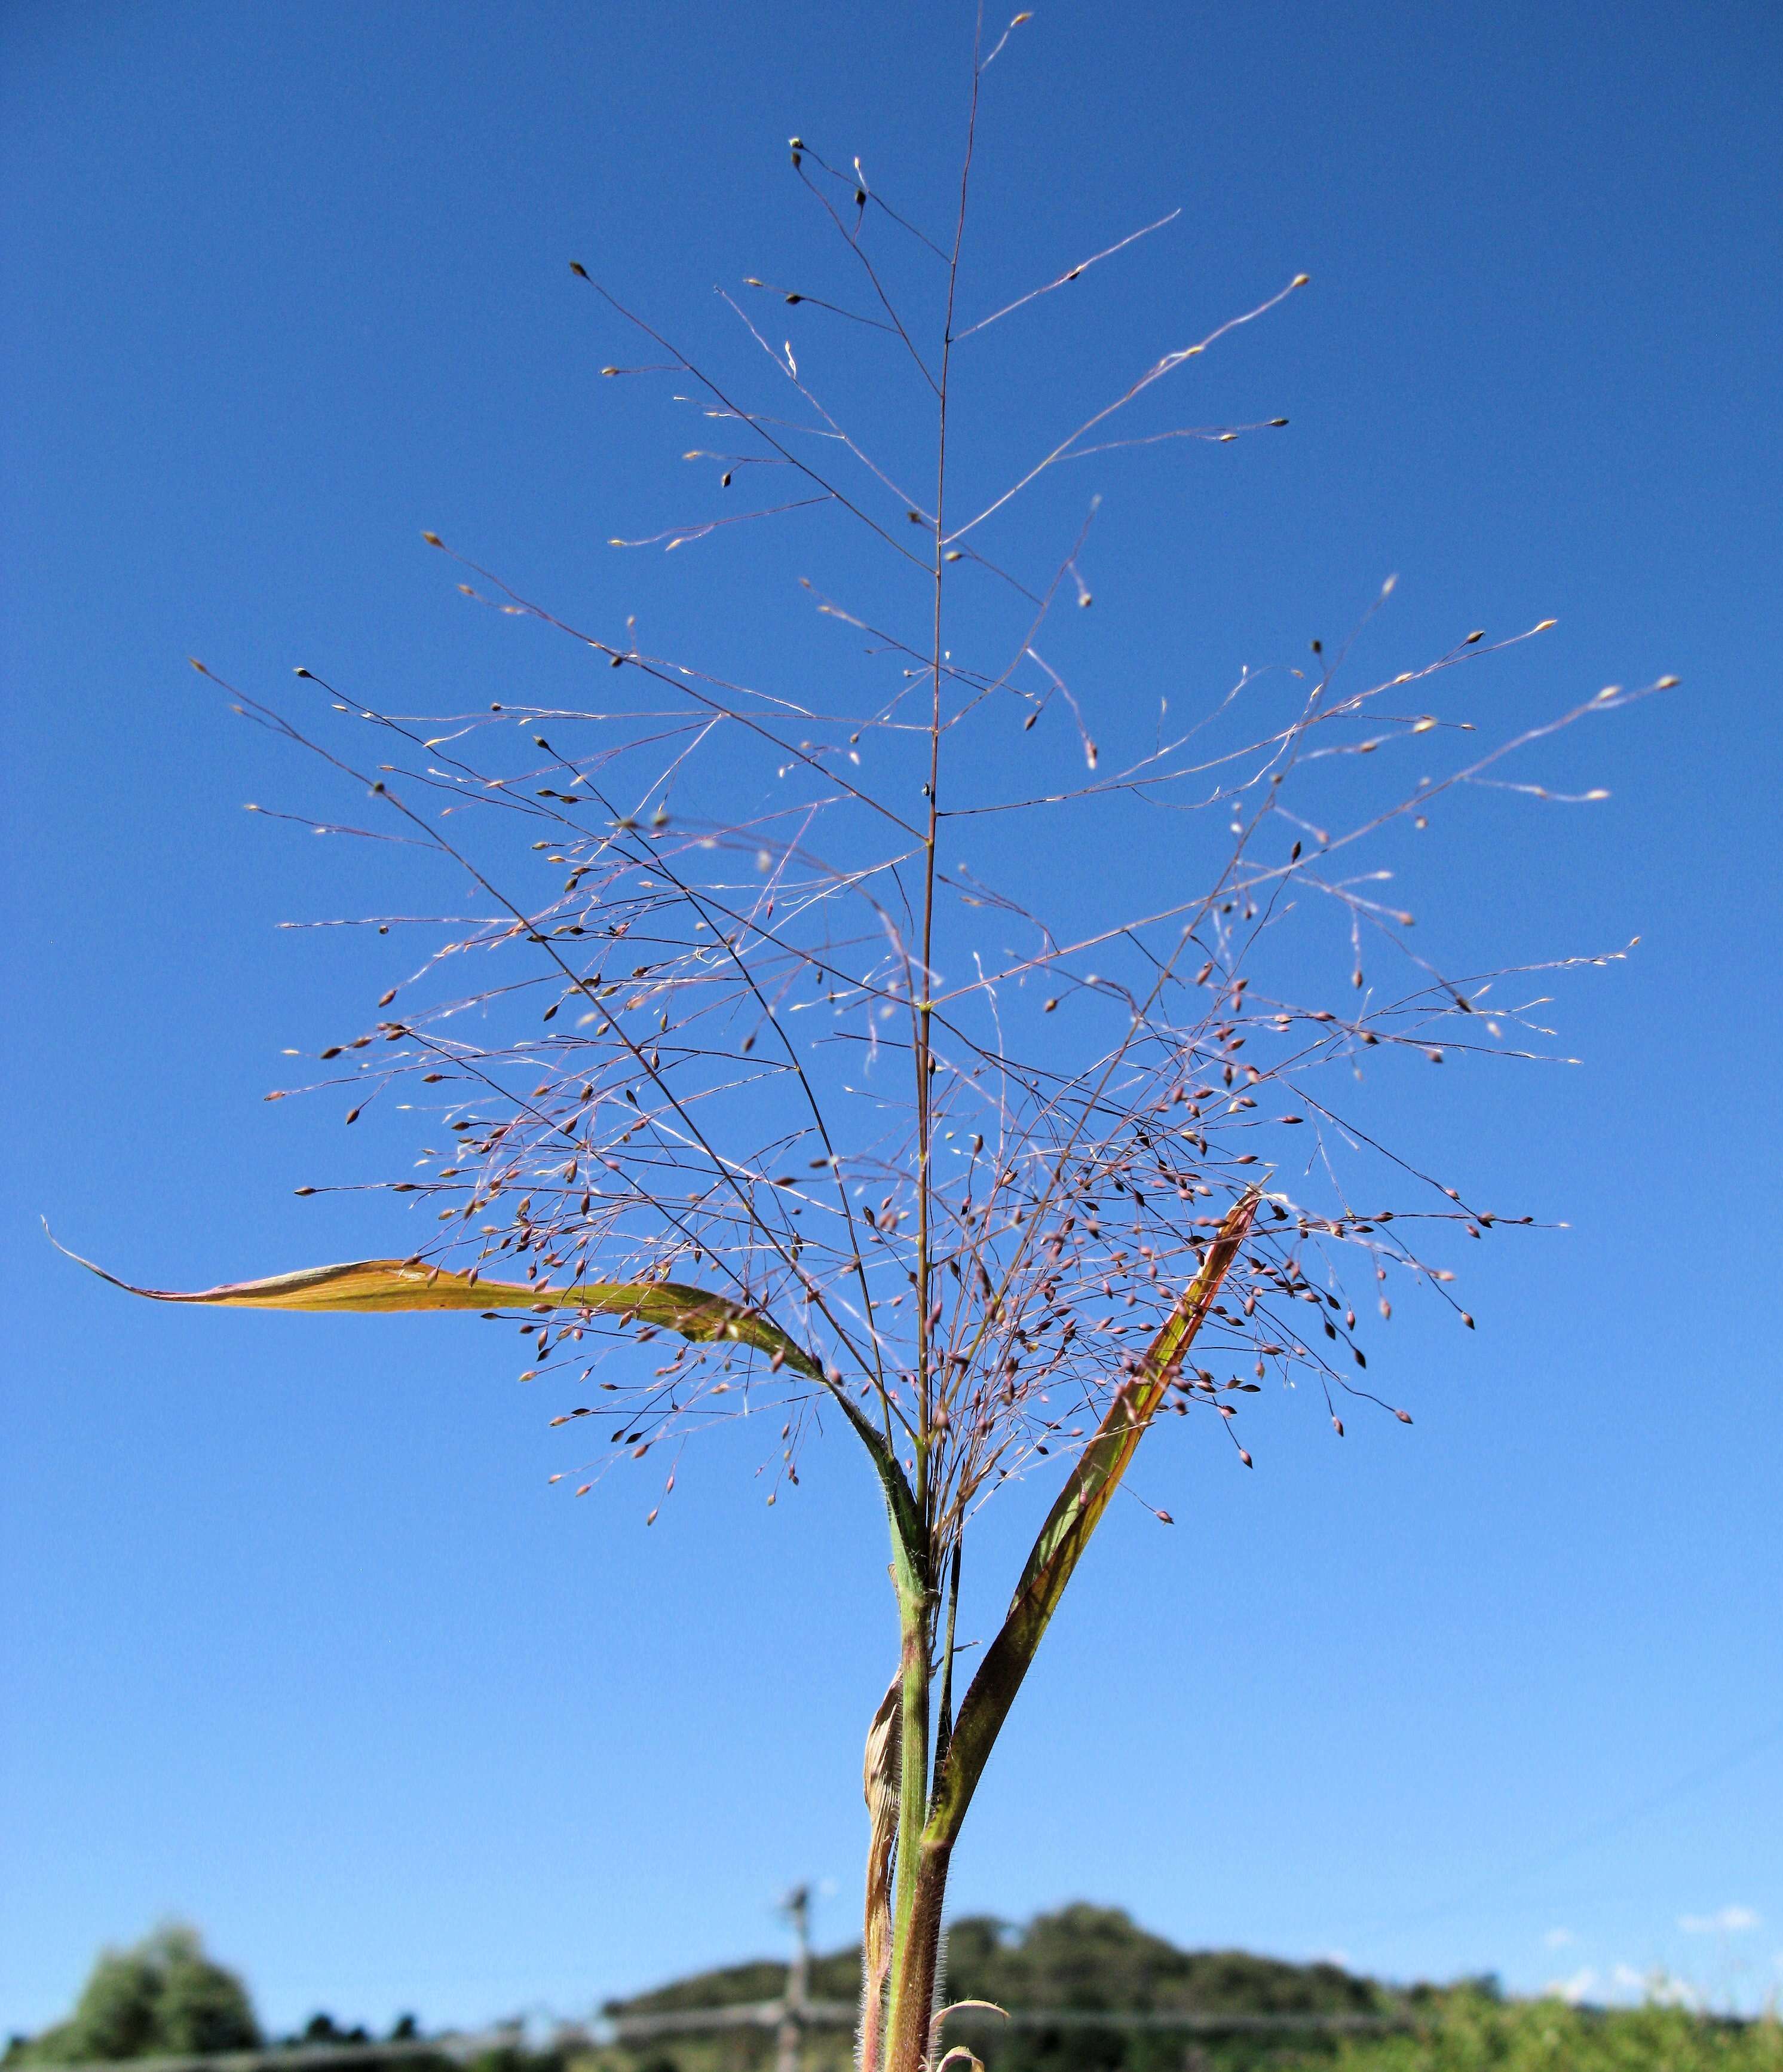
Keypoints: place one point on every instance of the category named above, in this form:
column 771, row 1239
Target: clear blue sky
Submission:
column 296, row 1643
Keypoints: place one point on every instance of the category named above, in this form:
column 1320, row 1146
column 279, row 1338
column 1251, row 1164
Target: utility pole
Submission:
column 795, row 2007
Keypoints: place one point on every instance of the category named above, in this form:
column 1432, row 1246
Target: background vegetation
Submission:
column 166, row 1997
column 162, row 1998
column 1084, row 1959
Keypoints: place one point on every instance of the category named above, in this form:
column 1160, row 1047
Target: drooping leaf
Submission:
column 378, row 1284
column 373, row 1285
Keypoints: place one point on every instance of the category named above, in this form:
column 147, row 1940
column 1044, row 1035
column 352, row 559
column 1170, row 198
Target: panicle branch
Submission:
column 772, row 988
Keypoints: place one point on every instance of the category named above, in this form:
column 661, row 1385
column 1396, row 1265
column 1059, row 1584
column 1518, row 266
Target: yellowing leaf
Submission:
column 374, row 1284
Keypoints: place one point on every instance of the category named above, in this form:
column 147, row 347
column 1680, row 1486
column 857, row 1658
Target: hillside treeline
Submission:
column 165, row 1997
column 1086, row 1960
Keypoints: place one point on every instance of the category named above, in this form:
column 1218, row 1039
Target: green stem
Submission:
column 914, row 1624
column 914, row 1963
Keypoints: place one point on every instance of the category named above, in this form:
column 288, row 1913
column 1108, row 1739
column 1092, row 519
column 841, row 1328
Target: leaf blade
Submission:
column 1075, row 1513
column 388, row 1286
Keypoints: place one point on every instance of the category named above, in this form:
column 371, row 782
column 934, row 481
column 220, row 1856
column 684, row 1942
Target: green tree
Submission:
column 162, row 1998
column 203, row 2007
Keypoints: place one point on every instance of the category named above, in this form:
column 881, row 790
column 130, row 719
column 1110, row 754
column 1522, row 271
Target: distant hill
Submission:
column 1082, row 1960
column 1093, row 1958
column 1086, row 1959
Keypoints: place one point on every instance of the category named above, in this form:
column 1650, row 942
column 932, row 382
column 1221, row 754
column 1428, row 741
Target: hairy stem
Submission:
column 913, row 1960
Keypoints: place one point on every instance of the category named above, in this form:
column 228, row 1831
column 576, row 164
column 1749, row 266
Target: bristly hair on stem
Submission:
column 804, row 1030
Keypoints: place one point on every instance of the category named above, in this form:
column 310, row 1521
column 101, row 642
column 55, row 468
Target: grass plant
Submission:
column 759, row 1046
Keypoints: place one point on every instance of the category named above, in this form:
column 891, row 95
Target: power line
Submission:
column 1587, row 1837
